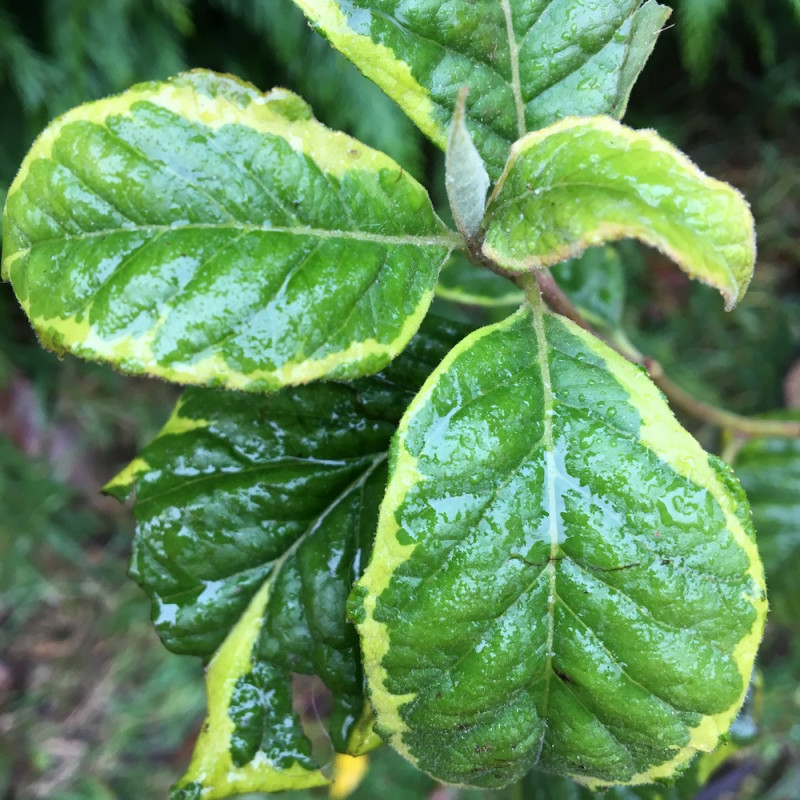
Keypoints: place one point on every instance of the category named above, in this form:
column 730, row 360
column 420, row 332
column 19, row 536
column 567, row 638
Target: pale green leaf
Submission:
column 561, row 578
column 584, row 182
column 203, row 232
column 647, row 25
column 526, row 63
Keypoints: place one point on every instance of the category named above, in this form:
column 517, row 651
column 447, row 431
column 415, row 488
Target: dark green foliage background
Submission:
column 91, row 705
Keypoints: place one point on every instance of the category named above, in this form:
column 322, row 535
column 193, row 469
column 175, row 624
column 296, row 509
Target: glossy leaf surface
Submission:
column 255, row 515
column 562, row 578
column 769, row 470
column 584, row 182
column 527, row 63
column 203, row 232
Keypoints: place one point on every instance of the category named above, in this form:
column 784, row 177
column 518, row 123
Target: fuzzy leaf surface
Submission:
column 562, row 578
column 584, row 182
column 769, row 470
column 254, row 517
column 527, row 63
column 466, row 179
column 200, row 231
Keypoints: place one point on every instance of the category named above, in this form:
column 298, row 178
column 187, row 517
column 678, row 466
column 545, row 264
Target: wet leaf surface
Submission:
column 585, row 182
column 255, row 515
column 562, row 578
column 203, row 232
column 527, row 63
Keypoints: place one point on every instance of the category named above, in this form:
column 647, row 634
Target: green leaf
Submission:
column 561, row 578
column 584, row 182
column 687, row 786
column 647, row 25
column 463, row 282
column 203, row 232
column 699, row 22
column 255, row 515
column 527, row 63
column 595, row 283
column 323, row 77
column 769, row 470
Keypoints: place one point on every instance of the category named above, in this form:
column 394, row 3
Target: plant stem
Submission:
column 545, row 287
column 744, row 426
column 530, row 287
column 556, row 298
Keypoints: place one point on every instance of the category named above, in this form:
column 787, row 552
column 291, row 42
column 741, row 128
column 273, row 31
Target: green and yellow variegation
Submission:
column 200, row 231
column 526, row 63
column 583, row 182
column 562, row 578
column 254, row 517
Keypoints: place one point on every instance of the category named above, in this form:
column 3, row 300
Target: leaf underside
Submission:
column 527, row 63
column 203, row 232
column 561, row 578
column 254, row 517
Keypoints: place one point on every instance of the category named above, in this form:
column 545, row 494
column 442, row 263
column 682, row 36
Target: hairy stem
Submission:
column 558, row 301
column 556, row 298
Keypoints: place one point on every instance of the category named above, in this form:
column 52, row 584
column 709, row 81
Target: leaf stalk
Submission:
column 742, row 426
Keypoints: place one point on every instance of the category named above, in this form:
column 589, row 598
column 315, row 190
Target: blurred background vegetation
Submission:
column 91, row 705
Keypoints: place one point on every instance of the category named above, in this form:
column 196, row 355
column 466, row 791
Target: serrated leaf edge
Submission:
column 130, row 354
column 684, row 455
column 263, row 113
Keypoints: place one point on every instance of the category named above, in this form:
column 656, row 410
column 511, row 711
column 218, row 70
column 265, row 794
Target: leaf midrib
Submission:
column 550, row 470
column 447, row 238
column 513, row 55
